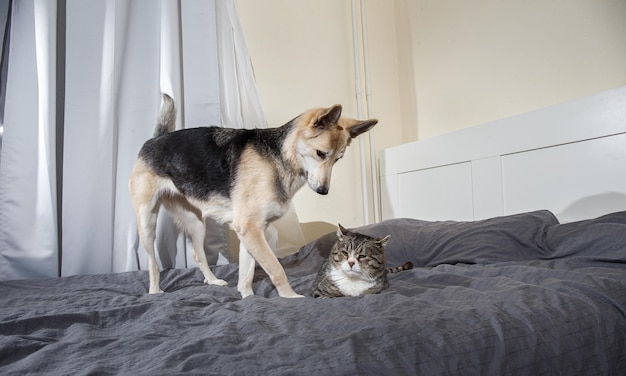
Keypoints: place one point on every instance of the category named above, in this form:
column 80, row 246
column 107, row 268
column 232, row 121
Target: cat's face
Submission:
column 358, row 255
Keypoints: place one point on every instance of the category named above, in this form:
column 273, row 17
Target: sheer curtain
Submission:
column 80, row 96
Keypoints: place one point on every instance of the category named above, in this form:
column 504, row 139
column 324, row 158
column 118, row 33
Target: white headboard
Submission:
column 568, row 158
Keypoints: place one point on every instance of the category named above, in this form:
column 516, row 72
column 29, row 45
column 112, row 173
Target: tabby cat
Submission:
column 356, row 266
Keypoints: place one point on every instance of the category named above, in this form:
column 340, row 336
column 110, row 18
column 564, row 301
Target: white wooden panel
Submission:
column 436, row 194
column 594, row 116
column 568, row 158
column 487, row 187
column 389, row 196
column 576, row 181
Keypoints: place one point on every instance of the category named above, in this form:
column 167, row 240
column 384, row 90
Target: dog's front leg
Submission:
column 246, row 271
column 195, row 226
column 253, row 238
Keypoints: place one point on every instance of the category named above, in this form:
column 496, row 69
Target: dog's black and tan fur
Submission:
column 243, row 177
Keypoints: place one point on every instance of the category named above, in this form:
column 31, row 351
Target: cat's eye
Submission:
column 344, row 253
column 361, row 257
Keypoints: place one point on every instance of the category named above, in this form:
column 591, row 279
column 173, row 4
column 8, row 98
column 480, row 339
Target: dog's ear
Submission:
column 361, row 127
column 329, row 117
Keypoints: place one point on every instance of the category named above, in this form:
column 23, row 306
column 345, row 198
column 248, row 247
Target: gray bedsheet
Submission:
column 510, row 295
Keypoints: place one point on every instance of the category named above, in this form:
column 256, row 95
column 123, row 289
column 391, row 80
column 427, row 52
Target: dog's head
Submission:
column 322, row 138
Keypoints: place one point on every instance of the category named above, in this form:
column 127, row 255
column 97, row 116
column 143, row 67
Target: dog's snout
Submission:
column 323, row 190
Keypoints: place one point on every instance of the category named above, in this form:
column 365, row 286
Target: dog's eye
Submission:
column 321, row 154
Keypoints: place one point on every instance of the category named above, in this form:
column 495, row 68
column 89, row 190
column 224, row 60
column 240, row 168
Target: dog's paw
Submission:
column 217, row 282
column 294, row 295
column 287, row 292
column 245, row 292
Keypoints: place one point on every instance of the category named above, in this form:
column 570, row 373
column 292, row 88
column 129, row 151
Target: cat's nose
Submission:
column 351, row 263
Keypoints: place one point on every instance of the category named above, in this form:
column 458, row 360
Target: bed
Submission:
column 569, row 158
column 504, row 288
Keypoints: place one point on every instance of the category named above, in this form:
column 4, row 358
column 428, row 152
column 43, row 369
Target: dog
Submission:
column 243, row 177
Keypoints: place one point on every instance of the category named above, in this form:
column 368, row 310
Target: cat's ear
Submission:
column 341, row 231
column 383, row 241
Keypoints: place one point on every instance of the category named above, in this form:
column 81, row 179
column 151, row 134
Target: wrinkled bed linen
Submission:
column 510, row 295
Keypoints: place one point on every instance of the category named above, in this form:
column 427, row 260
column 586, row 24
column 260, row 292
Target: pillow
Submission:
column 602, row 238
column 508, row 238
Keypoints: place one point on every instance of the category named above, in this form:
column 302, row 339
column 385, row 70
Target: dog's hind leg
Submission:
column 253, row 238
column 141, row 186
column 146, row 224
column 194, row 225
column 246, row 271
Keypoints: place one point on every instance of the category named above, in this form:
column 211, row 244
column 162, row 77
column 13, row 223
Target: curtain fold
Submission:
column 112, row 69
column 83, row 88
column 28, row 212
column 5, row 32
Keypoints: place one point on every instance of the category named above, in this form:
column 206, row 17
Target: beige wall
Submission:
column 435, row 67
column 481, row 60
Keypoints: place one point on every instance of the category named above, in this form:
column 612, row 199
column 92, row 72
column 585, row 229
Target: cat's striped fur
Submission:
column 356, row 266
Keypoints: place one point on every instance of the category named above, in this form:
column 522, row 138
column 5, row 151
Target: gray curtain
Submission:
column 79, row 97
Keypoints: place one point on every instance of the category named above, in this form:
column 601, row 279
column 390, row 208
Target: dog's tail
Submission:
column 167, row 117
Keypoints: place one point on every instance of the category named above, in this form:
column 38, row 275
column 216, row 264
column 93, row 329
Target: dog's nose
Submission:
column 323, row 190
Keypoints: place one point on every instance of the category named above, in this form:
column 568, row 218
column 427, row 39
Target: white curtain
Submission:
column 79, row 98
